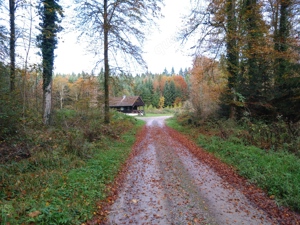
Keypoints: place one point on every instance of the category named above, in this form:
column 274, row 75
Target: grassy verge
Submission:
column 158, row 114
column 167, row 110
column 60, row 184
column 276, row 172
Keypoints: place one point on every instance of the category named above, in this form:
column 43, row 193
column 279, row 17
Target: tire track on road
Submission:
column 166, row 184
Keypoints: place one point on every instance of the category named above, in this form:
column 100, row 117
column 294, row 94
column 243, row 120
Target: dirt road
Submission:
column 166, row 184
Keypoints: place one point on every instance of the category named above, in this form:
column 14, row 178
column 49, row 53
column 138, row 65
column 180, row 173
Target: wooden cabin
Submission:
column 128, row 104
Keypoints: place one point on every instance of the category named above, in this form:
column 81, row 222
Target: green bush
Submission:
column 278, row 135
column 10, row 115
column 63, row 114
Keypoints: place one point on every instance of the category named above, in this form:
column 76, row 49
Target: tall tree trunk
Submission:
column 48, row 56
column 26, row 58
column 12, row 43
column 251, row 30
column 281, row 41
column 61, row 97
column 47, row 100
column 254, row 39
column 49, row 10
column 232, row 53
column 106, row 65
column 286, row 88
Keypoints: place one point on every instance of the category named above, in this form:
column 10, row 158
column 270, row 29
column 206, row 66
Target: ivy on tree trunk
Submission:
column 49, row 11
column 232, row 53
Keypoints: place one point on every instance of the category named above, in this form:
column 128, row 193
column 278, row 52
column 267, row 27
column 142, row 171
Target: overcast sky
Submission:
column 162, row 51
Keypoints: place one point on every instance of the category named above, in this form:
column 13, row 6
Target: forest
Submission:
column 243, row 86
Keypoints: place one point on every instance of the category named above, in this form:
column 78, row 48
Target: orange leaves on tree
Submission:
column 207, row 84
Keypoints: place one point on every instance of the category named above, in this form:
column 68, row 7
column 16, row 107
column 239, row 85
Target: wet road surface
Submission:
column 165, row 185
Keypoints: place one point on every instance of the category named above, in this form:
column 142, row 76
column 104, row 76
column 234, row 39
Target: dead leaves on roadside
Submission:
column 103, row 207
column 257, row 196
column 34, row 214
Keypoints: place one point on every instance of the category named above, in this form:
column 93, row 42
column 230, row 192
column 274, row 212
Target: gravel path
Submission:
column 165, row 185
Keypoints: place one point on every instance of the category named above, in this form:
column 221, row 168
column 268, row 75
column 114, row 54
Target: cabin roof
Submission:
column 126, row 101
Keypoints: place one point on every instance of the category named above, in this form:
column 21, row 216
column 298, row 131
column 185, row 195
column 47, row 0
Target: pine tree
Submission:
column 169, row 93
column 172, row 71
column 186, row 73
column 155, row 99
column 165, row 72
column 181, row 72
column 146, row 96
column 281, row 37
column 287, row 75
column 256, row 82
column 262, row 79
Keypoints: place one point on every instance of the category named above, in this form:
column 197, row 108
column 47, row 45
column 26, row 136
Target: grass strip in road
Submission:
column 278, row 173
column 64, row 193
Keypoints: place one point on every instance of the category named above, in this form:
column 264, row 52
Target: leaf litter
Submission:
column 170, row 180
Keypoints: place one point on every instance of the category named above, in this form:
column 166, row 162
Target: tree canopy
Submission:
column 116, row 27
column 259, row 44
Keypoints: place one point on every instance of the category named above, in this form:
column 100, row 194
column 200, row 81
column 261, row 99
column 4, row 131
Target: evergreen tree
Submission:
column 181, row 72
column 155, row 99
column 149, row 85
column 169, row 93
column 172, row 71
column 185, row 73
column 72, row 77
column 165, row 72
column 101, row 72
column 281, row 37
column 286, row 68
column 263, row 77
column 146, row 96
column 255, row 82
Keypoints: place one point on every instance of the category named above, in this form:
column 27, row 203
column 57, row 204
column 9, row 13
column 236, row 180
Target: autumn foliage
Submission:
column 207, row 85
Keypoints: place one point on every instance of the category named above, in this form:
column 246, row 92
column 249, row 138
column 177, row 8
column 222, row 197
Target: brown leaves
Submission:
column 206, row 77
column 146, row 195
column 257, row 196
column 113, row 189
column 134, row 201
column 34, row 214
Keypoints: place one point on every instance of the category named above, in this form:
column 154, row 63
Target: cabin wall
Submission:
column 128, row 109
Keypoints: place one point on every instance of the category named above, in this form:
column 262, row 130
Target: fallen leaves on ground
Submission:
column 257, row 196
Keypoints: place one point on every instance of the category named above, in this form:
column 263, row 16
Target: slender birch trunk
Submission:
column 106, row 65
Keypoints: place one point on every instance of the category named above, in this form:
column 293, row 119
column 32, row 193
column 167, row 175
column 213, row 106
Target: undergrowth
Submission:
column 70, row 165
column 276, row 172
column 276, row 135
column 167, row 110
